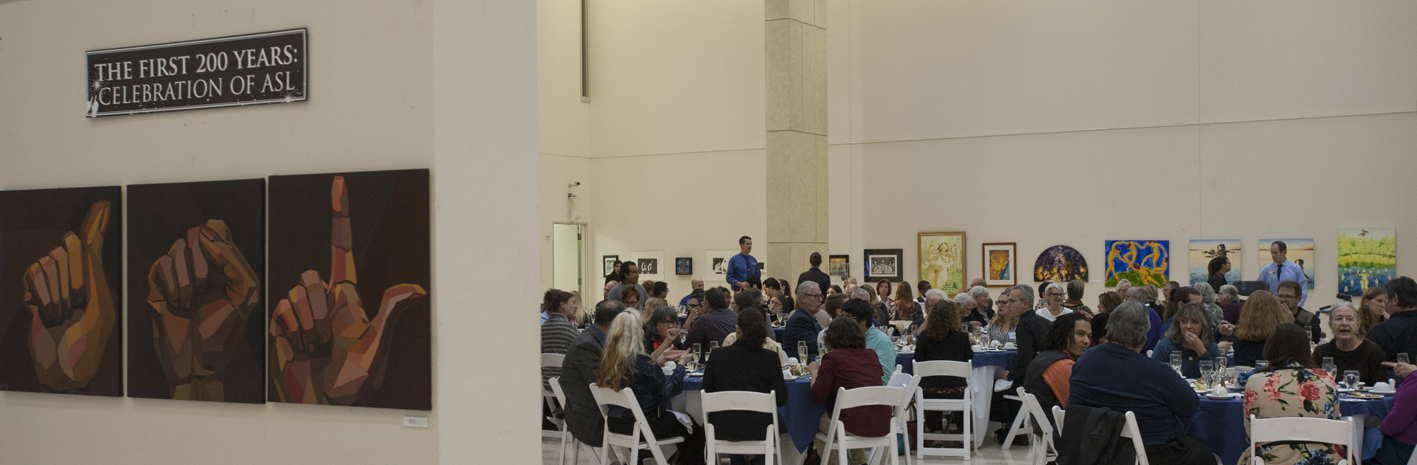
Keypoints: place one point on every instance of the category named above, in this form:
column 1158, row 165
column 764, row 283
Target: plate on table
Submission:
column 1360, row 395
column 696, row 374
column 1227, row 396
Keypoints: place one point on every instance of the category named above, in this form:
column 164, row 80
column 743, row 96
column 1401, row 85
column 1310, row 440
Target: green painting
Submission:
column 1367, row 257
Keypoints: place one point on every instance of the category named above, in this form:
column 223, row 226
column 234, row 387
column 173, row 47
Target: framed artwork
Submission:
column 883, row 264
column 1000, row 263
column 349, row 283
column 1140, row 262
column 683, row 266
column 609, row 264
column 942, row 259
column 1202, row 251
column 649, row 263
column 839, row 265
column 1367, row 257
column 1059, row 263
column 61, row 285
column 1300, row 251
column 718, row 262
column 206, row 241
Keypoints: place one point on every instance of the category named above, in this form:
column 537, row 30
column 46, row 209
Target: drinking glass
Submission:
column 1259, row 364
column 1328, row 365
column 713, row 345
column 1350, row 379
column 802, row 352
column 698, row 350
column 821, row 349
column 1220, row 363
column 1207, row 372
column 1402, row 357
column 1176, row 361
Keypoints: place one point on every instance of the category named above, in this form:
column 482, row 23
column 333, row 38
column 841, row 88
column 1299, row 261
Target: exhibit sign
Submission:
column 269, row 67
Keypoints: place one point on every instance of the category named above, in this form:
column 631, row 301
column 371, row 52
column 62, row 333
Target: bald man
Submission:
column 697, row 285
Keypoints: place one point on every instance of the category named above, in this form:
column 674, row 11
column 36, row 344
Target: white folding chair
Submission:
column 639, row 438
column 742, row 401
column 1040, row 448
column 861, row 397
column 1321, row 430
column 1133, row 432
column 552, row 360
column 1058, row 418
column 964, row 405
column 1020, row 420
column 566, row 437
column 908, row 384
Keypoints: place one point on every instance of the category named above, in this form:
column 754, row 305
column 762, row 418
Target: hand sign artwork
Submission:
column 60, row 284
column 328, row 344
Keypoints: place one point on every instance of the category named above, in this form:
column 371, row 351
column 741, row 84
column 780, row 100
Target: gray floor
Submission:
column 988, row 454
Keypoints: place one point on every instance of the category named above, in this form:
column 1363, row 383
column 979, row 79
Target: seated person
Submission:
column 1399, row 427
column 860, row 312
column 1398, row 335
column 625, row 365
column 1190, row 334
column 1117, row 376
column 1047, row 376
column 715, row 324
column 745, row 365
column 942, row 340
column 802, row 324
column 1348, row 349
column 848, row 364
column 1258, row 318
column 1290, row 387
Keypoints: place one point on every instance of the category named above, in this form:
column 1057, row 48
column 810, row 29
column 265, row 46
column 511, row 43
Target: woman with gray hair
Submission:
column 1191, row 334
column 1148, row 389
column 1208, row 298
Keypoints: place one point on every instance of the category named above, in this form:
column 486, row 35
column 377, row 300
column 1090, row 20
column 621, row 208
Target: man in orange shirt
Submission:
column 1047, row 376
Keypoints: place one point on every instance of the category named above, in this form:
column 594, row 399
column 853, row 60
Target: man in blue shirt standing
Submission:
column 1284, row 270
column 742, row 266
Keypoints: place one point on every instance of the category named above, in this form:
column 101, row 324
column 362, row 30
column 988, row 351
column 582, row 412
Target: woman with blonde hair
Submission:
column 1372, row 308
column 1001, row 328
column 1258, row 318
column 623, row 364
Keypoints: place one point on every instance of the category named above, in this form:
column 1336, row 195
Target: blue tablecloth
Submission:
column 1220, row 424
column 800, row 416
column 999, row 359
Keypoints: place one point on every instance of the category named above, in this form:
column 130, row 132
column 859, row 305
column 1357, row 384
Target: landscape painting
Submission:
column 1300, row 251
column 1367, row 258
column 1202, row 251
column 1140, row 262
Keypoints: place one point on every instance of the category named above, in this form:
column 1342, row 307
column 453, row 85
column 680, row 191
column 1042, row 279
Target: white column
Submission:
column 797, row 203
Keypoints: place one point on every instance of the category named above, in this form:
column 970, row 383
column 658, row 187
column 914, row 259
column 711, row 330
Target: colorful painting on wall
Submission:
column 1060, row 263
column 61, row 279
column 1367, row 257
column 1000, row 263
column 1139, row 262
column 196, row 275
column 942, row 259
column 335, row 339
column 1300, row 251
column 683, row 266
column 1202, row 251
column 839, row 265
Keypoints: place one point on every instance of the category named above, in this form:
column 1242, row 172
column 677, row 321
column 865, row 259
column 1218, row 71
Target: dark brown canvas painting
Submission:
column 196, row 295
column 349, row 280
column 60, row 284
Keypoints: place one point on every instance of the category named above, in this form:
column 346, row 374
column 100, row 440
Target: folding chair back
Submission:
column 1039, row 447
column 963, row 405
column 742, row 401
column 604, row 399
column 863, row 397
column 1133, row 432
column 1058, row 418
column 1302, row 429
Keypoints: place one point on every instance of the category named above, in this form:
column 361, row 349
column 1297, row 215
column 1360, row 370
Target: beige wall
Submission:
column 372, row 106
column 1027, row 122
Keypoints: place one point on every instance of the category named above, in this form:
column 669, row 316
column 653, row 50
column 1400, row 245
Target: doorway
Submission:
column 568, row 258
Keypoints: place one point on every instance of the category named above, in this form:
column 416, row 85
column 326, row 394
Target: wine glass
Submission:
column 1350, row 378
column 821, row 349
column 1176, row 362
column 1220, row 363
column 1207, row 372
column 698, row 350
column 1402, row 357
column 802, row 352
column 713, row 345
column 1328, row 365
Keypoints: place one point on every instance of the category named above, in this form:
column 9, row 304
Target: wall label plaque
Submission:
column 269, row 67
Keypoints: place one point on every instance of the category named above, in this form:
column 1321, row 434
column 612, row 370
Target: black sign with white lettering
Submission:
column 228, row 71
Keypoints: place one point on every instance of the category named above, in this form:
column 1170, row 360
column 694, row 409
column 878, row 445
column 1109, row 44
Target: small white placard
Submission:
column 415, row 422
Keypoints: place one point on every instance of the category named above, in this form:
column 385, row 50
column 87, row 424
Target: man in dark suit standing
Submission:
column 579, row 369
column 815, row 274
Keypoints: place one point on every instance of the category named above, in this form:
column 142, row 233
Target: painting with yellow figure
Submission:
column 942, row 260
column 1367, row 257
column 1140, row 262
column 1000, row 264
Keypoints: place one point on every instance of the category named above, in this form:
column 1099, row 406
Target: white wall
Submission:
column 1028, row 122
column 372, row 106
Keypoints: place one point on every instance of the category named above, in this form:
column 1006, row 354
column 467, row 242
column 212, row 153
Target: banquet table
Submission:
column 1220, row 424
column 798, row 419
column 988, row 366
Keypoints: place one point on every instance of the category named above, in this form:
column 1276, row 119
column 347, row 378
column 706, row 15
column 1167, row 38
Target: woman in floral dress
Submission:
column 1291, row 387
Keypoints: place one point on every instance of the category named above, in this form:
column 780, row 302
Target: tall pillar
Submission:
column 797, row 135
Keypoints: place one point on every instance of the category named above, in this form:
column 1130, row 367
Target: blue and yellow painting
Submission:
column 1300, row 252
column 1139, row 262
column 1202, row 251
column 1367, row 257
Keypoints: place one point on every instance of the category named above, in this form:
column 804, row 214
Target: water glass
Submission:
column 1176, row 361
column 1328, row 365
column 1207, row 370
column 1350, row 379
column 1220, row 363
column 1402, row 357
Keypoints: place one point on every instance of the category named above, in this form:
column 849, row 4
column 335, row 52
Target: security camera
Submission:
column 574, row 184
